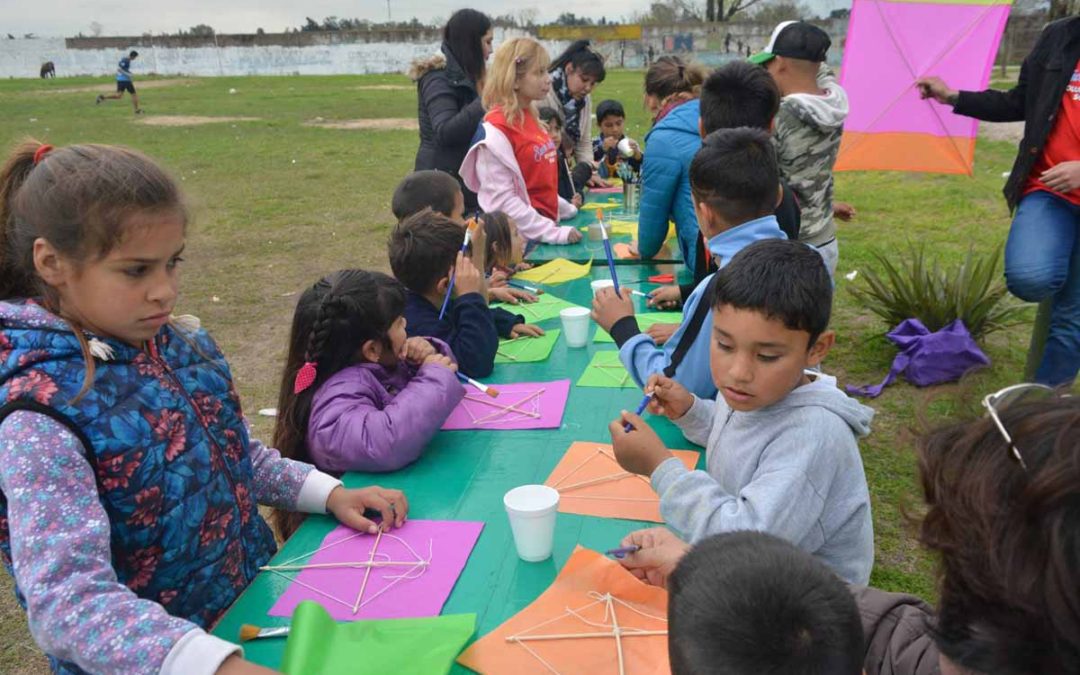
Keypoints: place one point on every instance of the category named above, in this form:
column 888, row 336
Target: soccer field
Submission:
column 282, row 194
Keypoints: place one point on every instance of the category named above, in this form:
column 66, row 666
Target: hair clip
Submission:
column 519, row 60
column 305, row 377
column 40, row 153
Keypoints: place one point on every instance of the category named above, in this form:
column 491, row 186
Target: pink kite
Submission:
column 405, row 573
column 890, row 45
column 522, row 405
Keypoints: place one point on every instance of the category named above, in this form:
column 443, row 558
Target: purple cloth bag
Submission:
column 927, row 358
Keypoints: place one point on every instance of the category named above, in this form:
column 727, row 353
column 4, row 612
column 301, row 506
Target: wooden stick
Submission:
column 596, row 481
column 576, row 636
column 505, row 408
column 571, row 472
column 510, row 408
column 505, row 355
column 338, row 565
column 367, row 573
column 618, row 635
column 617, row 499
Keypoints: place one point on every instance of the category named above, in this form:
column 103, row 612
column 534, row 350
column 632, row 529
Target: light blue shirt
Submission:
column 642, row 356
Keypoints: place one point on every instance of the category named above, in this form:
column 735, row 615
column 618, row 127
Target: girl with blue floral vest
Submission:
column 129, row 484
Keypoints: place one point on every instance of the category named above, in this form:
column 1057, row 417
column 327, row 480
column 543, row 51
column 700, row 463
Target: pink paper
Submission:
column 535, row 405
column 447, row 543
column 891, row 44
column 614, row 189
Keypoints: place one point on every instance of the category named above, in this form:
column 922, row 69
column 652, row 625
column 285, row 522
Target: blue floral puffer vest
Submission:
column 164, row 433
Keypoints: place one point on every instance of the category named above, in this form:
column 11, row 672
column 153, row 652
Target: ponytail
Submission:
column 670, row 76
column 14, row 278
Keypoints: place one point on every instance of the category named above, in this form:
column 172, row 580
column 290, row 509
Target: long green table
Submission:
column 463, row 475
column 586, row 250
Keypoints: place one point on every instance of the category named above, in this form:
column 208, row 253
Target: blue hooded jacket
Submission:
column 665, row 176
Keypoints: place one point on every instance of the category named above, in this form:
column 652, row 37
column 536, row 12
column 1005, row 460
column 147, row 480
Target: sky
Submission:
column 134, row 17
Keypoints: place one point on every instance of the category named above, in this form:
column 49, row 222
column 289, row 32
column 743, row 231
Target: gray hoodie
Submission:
column 791, row 469
column 807, row 140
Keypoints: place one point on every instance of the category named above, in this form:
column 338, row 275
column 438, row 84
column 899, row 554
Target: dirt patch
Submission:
column 383, row 87
column 1010, row 132
column 98, row 88
column 190, row 120
column 375, row 124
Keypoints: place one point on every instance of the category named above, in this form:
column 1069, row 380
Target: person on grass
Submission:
column 124, row 83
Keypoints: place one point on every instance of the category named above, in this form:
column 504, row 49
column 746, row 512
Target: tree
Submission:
column 201, row 30
column 734, row 8
column 96, row 28
column 260, row 31
column 1060, row 9
column 570, row 19
column 310, row 24
column 772, row 12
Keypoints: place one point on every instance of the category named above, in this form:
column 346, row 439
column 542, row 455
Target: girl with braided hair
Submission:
column 356, row 393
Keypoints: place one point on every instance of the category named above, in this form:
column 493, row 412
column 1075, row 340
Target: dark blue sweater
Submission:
column 469, row 327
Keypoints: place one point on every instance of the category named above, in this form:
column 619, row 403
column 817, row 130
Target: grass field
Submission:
column 278, row 203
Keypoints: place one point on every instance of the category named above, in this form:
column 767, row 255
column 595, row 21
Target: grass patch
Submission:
column 278, row 203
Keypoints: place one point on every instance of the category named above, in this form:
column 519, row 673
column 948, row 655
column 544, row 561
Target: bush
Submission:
column 917, row 287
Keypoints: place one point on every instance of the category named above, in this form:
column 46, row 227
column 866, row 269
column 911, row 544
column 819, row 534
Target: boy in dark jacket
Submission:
column 611, row 118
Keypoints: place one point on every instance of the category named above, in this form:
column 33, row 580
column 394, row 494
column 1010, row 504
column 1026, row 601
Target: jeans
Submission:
column 830, row 252
column 1042, row 260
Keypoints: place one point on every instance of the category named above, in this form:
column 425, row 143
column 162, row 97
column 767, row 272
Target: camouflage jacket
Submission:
column 807, row 140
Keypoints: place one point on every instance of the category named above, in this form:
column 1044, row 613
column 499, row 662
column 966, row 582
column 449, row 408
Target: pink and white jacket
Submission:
column 491, row 170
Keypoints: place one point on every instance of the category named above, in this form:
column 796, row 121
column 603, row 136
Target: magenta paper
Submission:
column 447, row 543
column 536, row 405
column 892, row 44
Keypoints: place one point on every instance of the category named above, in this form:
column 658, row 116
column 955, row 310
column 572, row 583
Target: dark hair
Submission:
column 739, row 94
column 333, row 319
column 784, row 280
column 499, row 238
column 745, row 603
column 423, row 248
column 584, row 59
column 670, row 75
column 736, row 174
column 133, row 54
column 1008, row 538
column 80, row 199
column 462, row 35
column 546, row 114
column 420, row 190
column 609, row 108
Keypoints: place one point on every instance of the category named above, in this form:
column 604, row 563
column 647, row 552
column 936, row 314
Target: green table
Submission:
column 586, row 250
column 463, row 476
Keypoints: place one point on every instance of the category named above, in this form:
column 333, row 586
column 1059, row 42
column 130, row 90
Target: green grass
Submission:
column 278, row 204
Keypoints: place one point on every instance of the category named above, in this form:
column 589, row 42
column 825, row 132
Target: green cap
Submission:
column 761, row 58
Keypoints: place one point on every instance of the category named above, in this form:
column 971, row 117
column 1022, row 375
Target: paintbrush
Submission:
column 490, row 391
column 607, row 250
column 251, row 632
column 469, row 228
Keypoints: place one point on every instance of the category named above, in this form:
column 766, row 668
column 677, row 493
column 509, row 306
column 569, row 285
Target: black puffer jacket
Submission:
column 1036, row 98
column 449, row 109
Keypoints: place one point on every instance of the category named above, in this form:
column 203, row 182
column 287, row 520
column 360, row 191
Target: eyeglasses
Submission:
column 1002, row 399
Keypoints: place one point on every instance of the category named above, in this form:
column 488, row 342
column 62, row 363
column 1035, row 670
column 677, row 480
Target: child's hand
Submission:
column 1063, row 177
column 843, row 211
column 441, row 360
column 417, row 349
column 610, row 142
column 665, row 297
column 467, row 279
column 526, row 330
column 236, row 665
column 670, row 399
column 575, row 236
column 522, row 266
column 660, row 553
column 636, row 148
column 639, row 450
column 511, row 296
column 661, row 332
column 576, row 200
column 608, row 308
column 478, row 246
column 348, row 507
column 497, row 279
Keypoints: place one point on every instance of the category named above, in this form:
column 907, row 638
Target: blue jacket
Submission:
column 640, row 354
column 665, row 182
column 469, row 327
column 165, row 433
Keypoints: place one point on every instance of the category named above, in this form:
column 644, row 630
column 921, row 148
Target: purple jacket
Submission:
column 368, row 418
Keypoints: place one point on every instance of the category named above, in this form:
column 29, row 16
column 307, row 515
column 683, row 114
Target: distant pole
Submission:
column 388, row 18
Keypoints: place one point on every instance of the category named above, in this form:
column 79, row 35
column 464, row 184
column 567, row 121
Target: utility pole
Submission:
column 389, row 19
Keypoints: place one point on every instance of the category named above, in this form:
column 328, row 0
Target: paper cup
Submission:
column 532, row 510
column 575, row 326
column 597, row 284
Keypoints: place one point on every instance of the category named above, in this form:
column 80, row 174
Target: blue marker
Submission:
column 622, row 551
column 469, row 227
column 640, row 409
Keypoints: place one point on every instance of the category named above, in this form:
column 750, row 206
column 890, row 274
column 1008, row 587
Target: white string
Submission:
column 319, row 550
column 504, row 411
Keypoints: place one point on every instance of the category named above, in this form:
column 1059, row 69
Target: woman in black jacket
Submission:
column 1042, row 256
column 448, row 87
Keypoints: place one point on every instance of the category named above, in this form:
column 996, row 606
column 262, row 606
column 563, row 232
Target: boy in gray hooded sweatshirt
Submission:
column 781, row 450
column 809, row 125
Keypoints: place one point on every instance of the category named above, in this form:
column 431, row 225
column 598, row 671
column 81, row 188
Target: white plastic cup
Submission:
column 597, row 284
column 532, row 510
column 575, row 326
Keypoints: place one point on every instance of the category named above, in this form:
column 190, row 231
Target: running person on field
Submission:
column 123, row 82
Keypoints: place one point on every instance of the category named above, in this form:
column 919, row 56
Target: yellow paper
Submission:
column 609, row 204
column 621, row 226
column 557, row 271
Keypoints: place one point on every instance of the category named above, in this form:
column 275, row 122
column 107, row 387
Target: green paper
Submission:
column 643, row 322
column 318, row 645
column 527, row 349
column 605, row 370
column 546, row 307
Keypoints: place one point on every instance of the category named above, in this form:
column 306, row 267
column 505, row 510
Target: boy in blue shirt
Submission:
column 124, row 83
column 735, row 184
column 611, row 119
column 781, row 446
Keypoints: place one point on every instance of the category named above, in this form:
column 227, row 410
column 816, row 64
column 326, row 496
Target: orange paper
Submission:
column 622, row 251
column 591, row 483
column 601, row 595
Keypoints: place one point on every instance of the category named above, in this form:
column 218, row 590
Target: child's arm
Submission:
column 566, row 209
column 660, row 175
column 349, row 432
column 473, row 337
column 505, row 321
column 77, row 609
column 496, row 193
